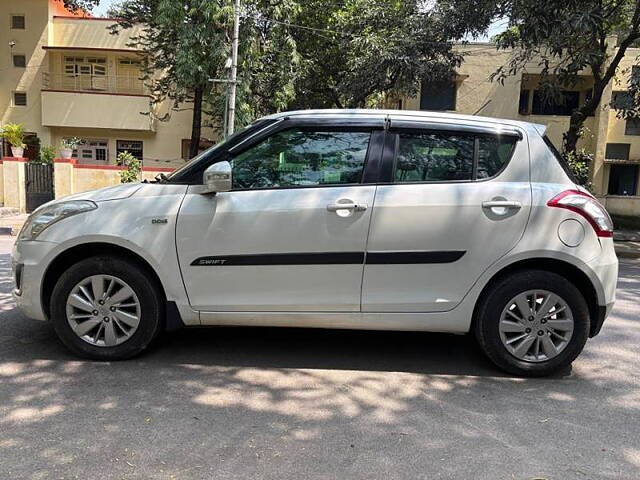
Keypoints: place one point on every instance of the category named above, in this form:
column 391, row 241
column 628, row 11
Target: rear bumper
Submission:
column 600, row 317
column 605, row 269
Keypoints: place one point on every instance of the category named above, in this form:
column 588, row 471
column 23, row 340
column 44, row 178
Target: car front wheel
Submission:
column 532, row 323
column 106, row 308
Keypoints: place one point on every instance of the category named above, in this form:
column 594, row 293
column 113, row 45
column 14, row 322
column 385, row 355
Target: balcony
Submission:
column 111, row 84
column 95, row 101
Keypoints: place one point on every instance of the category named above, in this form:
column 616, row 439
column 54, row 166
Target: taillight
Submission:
column 587, row 206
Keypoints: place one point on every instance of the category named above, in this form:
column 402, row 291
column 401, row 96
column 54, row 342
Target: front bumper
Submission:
column 30, row 260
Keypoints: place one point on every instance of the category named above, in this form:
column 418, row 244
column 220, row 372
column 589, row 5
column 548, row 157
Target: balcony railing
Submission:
column 122, row 84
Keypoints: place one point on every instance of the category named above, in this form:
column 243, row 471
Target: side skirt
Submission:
column 428, row 322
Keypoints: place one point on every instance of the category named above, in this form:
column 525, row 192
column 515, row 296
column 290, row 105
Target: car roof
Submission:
column 409, row 115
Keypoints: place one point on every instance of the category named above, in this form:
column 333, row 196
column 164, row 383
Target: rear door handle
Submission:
column 507, row 204
column 356, row 207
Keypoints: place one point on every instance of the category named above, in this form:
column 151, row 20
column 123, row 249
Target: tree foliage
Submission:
column 185, row 43
column 79, row 5
column 564, row 38
column 293, row 53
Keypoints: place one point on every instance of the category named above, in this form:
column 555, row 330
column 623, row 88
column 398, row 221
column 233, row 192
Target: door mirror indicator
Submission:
column 217, row 178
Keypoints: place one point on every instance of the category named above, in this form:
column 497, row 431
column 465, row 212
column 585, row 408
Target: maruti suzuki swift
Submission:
column 377, row 220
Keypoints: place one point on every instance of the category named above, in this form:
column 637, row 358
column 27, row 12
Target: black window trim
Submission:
column 392, row 145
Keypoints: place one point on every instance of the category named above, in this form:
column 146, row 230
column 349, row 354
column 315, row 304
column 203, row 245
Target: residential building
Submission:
column 615, row 142
column 64, row 75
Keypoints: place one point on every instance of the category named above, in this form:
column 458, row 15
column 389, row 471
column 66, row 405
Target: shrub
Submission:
column 47, row 154
column 71, row 143
column 134, row 168
column 580, row 164
column 14, row 133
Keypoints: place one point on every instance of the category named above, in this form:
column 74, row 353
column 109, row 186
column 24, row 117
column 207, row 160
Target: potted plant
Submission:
column 68, row 145
column 14, row 133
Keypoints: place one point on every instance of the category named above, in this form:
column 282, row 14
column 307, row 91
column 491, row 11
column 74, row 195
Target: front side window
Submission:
column 428, row 157
column 300, row 157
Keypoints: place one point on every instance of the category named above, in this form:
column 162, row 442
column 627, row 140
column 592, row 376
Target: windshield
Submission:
column 178, row 173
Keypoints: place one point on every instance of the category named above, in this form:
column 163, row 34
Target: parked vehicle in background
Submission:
column 382, row 220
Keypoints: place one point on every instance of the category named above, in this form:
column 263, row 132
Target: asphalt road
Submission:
column 270, row 403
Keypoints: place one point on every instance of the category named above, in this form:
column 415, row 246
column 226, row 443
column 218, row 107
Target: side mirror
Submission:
column 217, row 178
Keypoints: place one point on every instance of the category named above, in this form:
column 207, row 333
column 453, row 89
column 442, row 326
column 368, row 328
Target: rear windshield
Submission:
column 563, row 163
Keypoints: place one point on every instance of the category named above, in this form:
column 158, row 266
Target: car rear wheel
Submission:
column 532, row 323
column 106, row 308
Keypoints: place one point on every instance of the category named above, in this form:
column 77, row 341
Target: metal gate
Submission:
column 38, row 184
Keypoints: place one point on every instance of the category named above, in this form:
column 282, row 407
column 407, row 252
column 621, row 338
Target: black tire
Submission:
column 145, row 288
column 495, row 300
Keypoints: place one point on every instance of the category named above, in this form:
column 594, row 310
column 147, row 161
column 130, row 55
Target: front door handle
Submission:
column 507, row 204
column 355, row 207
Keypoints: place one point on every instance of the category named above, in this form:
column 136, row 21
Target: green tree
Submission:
column 351, row 51
column 185, row 43
column 75, row 5
column 565, row 38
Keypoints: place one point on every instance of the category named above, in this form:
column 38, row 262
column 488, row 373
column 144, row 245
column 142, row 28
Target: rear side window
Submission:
column 494, row 152
column 438, row 156
column 451, row 156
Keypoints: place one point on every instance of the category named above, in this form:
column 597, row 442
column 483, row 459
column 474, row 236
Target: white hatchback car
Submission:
column 380, row 220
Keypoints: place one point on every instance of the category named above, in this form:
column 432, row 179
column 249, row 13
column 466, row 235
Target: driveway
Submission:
column 303, row 404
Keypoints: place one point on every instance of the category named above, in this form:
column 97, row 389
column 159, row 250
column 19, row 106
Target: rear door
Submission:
column 452, row 201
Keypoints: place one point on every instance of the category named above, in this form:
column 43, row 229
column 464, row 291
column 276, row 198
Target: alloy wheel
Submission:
column 536, row 325
column 103, row 310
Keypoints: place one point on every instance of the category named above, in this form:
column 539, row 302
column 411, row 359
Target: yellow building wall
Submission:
column 13, row 184
column 89, row 33
column 28, row 42
column 89, row 110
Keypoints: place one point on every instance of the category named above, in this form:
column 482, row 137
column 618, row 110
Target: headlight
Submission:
column 50, row 214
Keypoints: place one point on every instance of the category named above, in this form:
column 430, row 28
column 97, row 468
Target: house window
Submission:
column 623, row 179
column 621, row 99
column 617, row 151
column 438, row 96
column 523, row 107
column 18, row 22
column 85, row 73
column 19, row 61
column 92, row 151
column 632, row 126
column 134, row 147
column 129, row 61
column 565, row 105
column 19, row 99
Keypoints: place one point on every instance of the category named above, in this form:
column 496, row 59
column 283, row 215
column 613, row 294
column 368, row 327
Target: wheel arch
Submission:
column 82, row 251
column 563, row 268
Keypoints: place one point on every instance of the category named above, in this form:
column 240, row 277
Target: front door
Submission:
column 454, row 202
column 291, row 234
